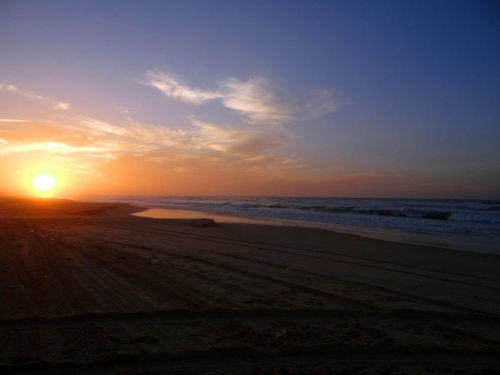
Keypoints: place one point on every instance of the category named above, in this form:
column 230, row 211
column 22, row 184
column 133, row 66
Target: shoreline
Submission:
column 456, row 242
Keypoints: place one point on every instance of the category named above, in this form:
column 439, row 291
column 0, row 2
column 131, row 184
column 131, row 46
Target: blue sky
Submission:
column 330, row 98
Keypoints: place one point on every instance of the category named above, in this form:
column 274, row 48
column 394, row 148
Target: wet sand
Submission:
column 485, row 245
column 88, row 289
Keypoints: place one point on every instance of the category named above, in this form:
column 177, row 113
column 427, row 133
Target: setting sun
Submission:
column 44, row 182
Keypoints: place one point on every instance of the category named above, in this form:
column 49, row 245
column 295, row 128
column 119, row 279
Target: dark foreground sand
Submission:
column 87, row 289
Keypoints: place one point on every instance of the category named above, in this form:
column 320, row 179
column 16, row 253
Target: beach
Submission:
column 87, row 288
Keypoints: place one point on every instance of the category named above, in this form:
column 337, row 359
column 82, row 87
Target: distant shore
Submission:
column 27, row 207
column 90, row 288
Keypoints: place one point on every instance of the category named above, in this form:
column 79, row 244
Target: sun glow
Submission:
column 44, row 182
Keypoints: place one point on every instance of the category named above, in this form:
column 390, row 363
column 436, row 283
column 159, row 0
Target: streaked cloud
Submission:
column 241, row 141
column 7, row 120
column 89, row 145
column 255, row 98
column 171, row 88
column 123, row 110
column 132, row 136
column 56, row 105
column 322, row 104
column 19, row 147
column 27, row 94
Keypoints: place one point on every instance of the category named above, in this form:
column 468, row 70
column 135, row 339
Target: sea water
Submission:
column 467, row 221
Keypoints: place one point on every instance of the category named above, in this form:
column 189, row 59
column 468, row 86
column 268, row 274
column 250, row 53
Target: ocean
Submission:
column 461, row 221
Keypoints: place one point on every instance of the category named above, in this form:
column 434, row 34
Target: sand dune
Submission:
column 86, row 289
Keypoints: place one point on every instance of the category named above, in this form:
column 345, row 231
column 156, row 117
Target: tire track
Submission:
column 279, row 248
column 16, row 301
column 60, row 298
column 216, row 297
column 392, row 291
column 147, row 280
column 341, row 299
column 371, row 286
column 109, row 291
column 29, row 288
column 353, row 303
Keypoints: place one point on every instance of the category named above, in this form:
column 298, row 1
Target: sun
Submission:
column 44, row 182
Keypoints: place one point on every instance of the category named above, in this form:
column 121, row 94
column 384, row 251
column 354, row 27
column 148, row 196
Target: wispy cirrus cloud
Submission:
column 133, row 136
column 322, row 104
column 89, row 144
column 243, row 142
column 8, row 120
column 202, row 145
column 123, row 110
column 57, row 106
column 255, row 98
column 27, row 94
column 171, row 88
column 49, row 147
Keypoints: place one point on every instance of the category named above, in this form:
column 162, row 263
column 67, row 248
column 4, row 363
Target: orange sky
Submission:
column 92, row 157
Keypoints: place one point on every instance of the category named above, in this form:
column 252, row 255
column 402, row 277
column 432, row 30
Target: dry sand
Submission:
column 87, row 289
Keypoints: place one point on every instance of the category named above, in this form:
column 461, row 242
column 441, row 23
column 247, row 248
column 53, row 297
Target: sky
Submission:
column 393, row 99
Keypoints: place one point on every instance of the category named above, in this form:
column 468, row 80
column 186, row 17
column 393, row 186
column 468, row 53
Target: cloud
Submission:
column 240, row 142
column 27, row 94
column 254, row 144
column 322, row 104
column 173, row 89
column 60, row 107
column 11, row 120
column 135, row 136
column 57, row 105
column 123, row 110
column 255, row 99
column 97, row 127
column 50, row 139
column 211, row 136
column 88, row 144
column 19, row 147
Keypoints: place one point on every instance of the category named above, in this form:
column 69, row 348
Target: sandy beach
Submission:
column 86, row 288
